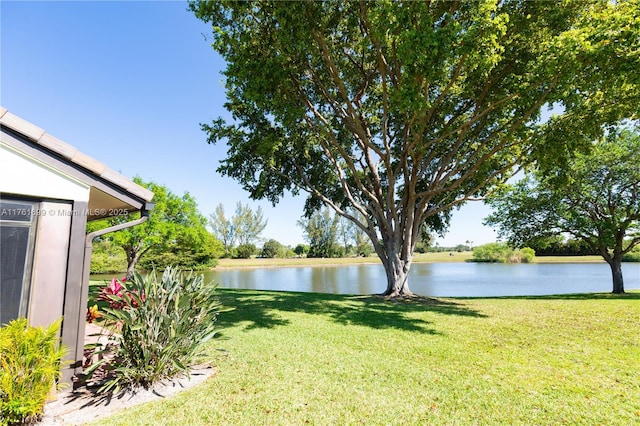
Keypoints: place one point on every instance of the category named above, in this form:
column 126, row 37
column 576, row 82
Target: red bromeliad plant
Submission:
column 112, row 293
column 115, row 294
column 161, row 324
column 118, row 296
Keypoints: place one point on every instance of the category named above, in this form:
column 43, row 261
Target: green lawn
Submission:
column 295, row 358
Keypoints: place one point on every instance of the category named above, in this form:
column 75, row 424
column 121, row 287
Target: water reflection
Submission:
column 433, row 279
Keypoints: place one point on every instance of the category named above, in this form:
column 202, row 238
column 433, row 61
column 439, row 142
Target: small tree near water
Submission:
column 273, row 248
column 596, row 199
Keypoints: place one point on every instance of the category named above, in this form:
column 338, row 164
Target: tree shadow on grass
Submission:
column 261, row 309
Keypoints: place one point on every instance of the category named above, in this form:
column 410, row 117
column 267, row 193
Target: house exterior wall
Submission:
column 26, row 175
column 67, row 188
column 50, row 264
column 75, row 295
column 56, row 276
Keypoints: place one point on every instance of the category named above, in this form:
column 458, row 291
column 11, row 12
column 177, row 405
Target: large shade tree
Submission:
column 403, row 110
column 596, row 199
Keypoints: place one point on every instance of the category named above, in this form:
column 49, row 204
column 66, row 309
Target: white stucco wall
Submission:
column 25, row 175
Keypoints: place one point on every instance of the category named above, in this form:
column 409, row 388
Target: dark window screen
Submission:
column 16, row 241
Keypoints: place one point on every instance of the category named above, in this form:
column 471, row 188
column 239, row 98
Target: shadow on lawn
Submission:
column 260, row 309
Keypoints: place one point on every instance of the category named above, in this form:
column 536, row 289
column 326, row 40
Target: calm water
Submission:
column 435, row 279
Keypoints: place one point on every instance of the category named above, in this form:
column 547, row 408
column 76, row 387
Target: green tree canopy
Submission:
column 175, row 232
column 301, row 249
column 273, row 248
column 403, row 110
column 596, row 199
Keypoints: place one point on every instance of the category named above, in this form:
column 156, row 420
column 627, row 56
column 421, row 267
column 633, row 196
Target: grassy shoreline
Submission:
column 418, row 258
column 298, row 358
column 444, row 257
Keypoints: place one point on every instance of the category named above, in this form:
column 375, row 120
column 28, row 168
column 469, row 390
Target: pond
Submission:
column 435, row 279
column 432, row 279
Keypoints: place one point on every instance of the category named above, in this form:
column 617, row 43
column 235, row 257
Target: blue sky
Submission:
column 128, row 83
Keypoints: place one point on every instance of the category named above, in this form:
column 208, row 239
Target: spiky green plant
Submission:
column 30, row 359
column 162, row 323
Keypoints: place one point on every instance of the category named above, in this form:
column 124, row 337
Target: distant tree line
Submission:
column 499, row 252
column 558, row 246
column 240, row 232
column 331, row 235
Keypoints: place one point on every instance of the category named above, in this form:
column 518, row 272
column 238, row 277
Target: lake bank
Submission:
column 443, row 257
column 432, row 275
column 432, row 279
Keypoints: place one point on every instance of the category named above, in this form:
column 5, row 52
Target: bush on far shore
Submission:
column 527, row 255
column 245, row 251
column 502, row 253
column 272, row 249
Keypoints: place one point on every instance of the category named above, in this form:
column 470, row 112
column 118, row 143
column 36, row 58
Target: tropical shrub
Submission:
column 526, row 255
column 245, row 251
column 162, row 323
column 30, row 359
column 364, row 249
column 492, row 252
column 301, row 249
column 273, row 248
column 338, row 251
column 502, row 253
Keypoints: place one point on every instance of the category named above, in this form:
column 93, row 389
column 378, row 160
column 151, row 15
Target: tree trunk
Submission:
column 397, row 271
column 616, row 272
column 133, row 256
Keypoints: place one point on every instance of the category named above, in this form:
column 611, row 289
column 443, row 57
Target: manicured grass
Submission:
column 296, row 358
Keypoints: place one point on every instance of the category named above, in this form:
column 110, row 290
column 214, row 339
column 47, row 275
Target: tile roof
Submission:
column 71, row 154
